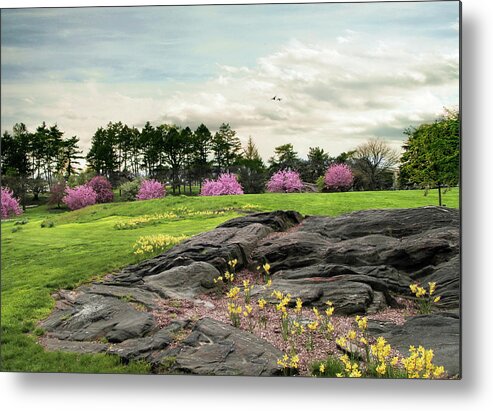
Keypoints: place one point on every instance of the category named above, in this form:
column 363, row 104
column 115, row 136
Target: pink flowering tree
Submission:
column 338, row 177
column 102, row 186
column 150, row 189
column 285, row 181
column 226, row 184
column 10, row 204
column 79, row 197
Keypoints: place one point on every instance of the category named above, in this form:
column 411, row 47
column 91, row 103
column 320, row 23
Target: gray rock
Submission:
column 359, row 261
column 348, row 297
column 296, row 249
column 215, row 348
column 95, row 317
column 396, row 223
column 182, row 282
column 447, row 277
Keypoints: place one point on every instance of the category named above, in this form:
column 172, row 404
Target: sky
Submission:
column 344, row 72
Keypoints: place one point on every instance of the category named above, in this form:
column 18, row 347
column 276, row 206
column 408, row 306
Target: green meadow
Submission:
column 84, row 245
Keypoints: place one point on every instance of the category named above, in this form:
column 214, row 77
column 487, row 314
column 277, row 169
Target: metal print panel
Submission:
column 223, row 190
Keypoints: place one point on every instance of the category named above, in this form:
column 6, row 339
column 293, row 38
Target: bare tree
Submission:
column 373, row 162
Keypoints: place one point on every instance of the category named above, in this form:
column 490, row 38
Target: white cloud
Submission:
column 334, row 95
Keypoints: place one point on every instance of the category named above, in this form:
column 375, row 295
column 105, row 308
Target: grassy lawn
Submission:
column 84, row 245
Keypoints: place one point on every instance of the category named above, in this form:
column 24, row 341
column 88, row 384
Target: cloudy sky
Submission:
column 344, row 72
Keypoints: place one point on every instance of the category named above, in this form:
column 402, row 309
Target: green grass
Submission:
column 83, row 245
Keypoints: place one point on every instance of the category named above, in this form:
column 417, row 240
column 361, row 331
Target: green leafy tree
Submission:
column 284, row 158
column 102, row 156
column 201, row 150
column 226, row 147
column 187, row 141
column 431, row 155
column 252, row 172
column 317, row 163
column 173, row 150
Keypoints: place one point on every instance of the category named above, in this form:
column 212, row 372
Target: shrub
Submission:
column 285, row 181
column 79, row 197
column 10, row 204
column 338, row 177
column 150, row 189
column 57, row 191
column 321, row 184
column 129, row 190
column 103, row 189
column 226, row 184
column 47, row 224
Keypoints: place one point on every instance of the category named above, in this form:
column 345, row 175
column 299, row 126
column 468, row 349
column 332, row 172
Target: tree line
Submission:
column 184, row 158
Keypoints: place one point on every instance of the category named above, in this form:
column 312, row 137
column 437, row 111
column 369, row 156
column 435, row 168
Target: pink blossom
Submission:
column 338, row 177
column 150, row 189
column 79, row 197
column 10, row 204
column 285, row 181
column 226, row 184
column 103, row 189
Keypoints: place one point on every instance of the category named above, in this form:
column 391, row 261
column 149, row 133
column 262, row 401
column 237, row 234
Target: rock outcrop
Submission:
column 360, row 261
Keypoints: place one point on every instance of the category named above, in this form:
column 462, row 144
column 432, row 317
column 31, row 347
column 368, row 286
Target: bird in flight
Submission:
column 276, row 98
column 273, row 98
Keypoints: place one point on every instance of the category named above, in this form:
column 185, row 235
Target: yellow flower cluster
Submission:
column 297, row 328
column 247, row 289
column 261, row 303
column 351, row 369
column 419, row 364
column 143, row 220
column 152, row 244
column 233, row 263
column 233, row 293
column 313, row 326
column 380, row 350
column 248, row 310
column 299, row 306
column 289, row 361
column 283, row 302
column 417, row 290
column 234, row 312
column 362, row 322
column 425, row 303
column 341, row 342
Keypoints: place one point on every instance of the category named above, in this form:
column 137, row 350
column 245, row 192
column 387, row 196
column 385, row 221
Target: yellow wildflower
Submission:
column 362, row 322
column 298, row 307
column 436, row 299
column 329, row 311
column 248, row 310
column 313, row 326
column 261, row 303
column 321, row 369
column 432, row 286
column 351, row 335
column 381, row 369
column 266, row 267
column 341, row 342
column 233, row 293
